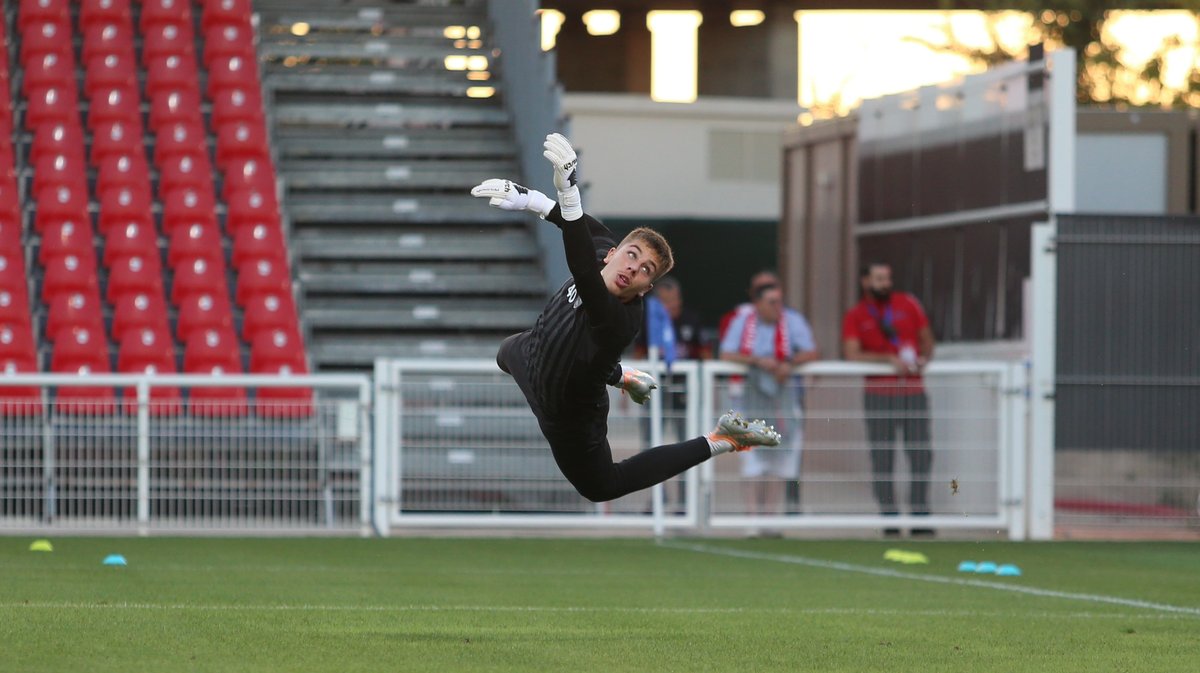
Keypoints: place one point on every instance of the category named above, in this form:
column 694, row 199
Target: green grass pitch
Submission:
column 594, row 605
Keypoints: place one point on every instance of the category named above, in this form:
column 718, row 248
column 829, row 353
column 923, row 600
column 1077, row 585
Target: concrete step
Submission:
column 299, row 143
column 373, row 80
column 405, row 313
column 378, row 115
column 423, row 278
column 391, row 175
column 441, row 244
column 338, row 209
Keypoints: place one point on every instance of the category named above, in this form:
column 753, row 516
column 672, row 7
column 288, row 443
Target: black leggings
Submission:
column 578, row 438
column 886, row 413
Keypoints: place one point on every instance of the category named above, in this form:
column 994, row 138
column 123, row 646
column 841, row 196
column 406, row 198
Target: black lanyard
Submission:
column 884, row 323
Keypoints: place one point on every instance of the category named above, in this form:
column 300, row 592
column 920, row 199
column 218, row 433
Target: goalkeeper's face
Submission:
column 629, row 271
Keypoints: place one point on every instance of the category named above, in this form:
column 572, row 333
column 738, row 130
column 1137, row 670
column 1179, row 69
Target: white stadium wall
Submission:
column 712, row 159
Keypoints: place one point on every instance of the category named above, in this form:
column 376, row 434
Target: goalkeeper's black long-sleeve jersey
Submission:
column 577, row 341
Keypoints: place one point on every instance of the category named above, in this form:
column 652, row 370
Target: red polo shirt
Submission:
column 865, row 322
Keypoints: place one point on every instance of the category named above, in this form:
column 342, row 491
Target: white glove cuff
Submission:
column 540, row 203
column 571, row 203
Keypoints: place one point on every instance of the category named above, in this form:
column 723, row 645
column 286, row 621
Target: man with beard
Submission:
column 891, row 328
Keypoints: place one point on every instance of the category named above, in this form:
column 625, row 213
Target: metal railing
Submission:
column 458, row 446
column 141, row 453
column 838, row 421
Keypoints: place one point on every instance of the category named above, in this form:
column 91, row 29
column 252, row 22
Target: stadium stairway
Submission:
column 385, row 115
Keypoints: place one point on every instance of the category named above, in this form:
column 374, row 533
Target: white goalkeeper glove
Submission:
column 637, row 384
column 562, row 156
column 508, row 195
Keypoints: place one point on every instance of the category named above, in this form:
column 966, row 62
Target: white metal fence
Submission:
column 185, row 453
column 453, row 444
column 974, row 461
column 459, row 447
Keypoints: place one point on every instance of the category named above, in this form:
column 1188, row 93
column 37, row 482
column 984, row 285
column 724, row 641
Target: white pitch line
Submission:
column 866, row 612
column 937, row 579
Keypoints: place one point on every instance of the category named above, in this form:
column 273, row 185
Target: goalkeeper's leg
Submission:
column 590, row 468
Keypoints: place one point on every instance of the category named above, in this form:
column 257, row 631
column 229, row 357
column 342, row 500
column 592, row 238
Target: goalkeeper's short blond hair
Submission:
column 656, row 244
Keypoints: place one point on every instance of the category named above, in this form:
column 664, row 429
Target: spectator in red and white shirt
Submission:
column 890, row 327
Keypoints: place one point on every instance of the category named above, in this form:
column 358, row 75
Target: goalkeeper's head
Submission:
column 631, row 268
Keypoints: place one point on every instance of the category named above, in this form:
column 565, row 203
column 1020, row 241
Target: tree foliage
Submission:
column 1104, row 74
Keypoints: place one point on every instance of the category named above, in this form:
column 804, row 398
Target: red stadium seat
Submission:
column 82, row 351
column 138, row 311
column 16, row 341
column 58, row 203
column 283, row 402
column 123, row 205
column 188, row 206
column 69, row 274
column 104, row 11
column 253, row 173
column 114, row 105
column 74, row 309
column 170, row 73
column 35, row 11
column 203, row 311
column 231, row 72
column 261, row 276
column 269, row 312
column 51, row 105
column 214, row 352
column 48, row 70
column 58, row 138
column 168, row 39
column 225, row 13
column 149, row 351
column 260, row 241
column 19, row 400
column 179, row 138
column 134, row 275
column 116, row 137
column 60, row 170
column 195, row 241
column 10, row 237
column 225, row 41
column 10, row 202
column 65, row 238
column 185, row 172
column 122, row 170
column 47, row 37
column 109, row 71
column 249, row 207
column 237, row 104
column 14, row 306
column 212, row 347
column 12, row 272
column 198, row 276
column 241, row 140
column 131, row 239
column 277, row 347
column 107, row 37
column 155, row 12
column 168, row 106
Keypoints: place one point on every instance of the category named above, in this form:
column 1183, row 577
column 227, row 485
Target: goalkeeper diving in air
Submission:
column 573, row 350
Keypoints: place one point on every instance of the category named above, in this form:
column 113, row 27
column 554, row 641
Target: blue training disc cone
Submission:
column 986, row 567
column 1008, row 570
column 115, row 560
column 966, row 567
